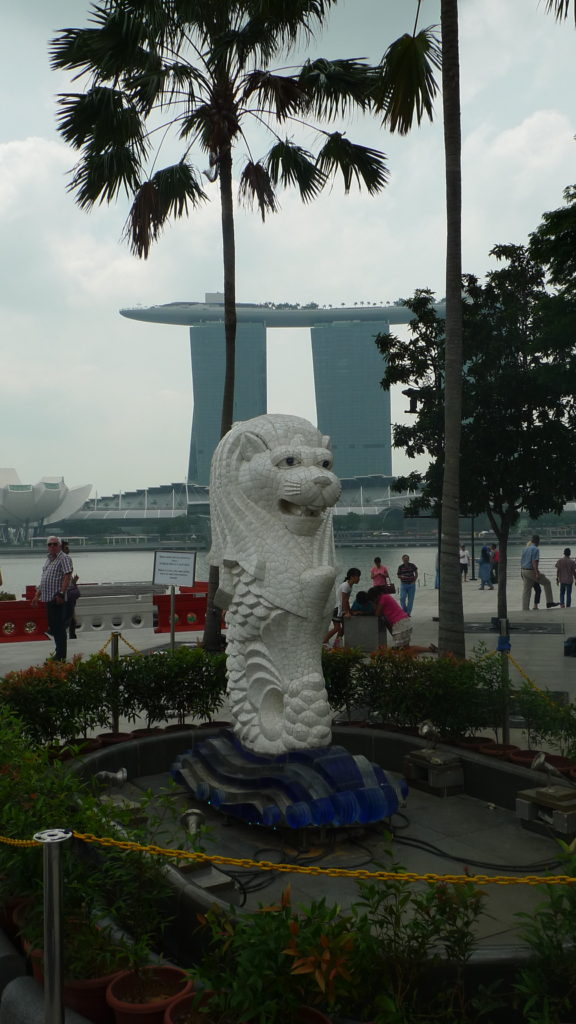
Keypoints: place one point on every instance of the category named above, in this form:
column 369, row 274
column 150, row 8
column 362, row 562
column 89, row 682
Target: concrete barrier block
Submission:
column 118, row 612
column 366, row 632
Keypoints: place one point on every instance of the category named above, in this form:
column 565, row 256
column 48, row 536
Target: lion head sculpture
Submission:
column 271, row 491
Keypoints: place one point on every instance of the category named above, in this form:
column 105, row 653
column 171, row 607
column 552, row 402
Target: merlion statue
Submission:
column 271, row 491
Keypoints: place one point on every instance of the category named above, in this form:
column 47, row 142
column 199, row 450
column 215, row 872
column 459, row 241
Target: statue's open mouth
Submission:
column 289, row 508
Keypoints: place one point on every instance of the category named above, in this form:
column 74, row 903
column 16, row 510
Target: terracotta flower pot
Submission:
column 137, row 734
column 501, row 750
column 162, row 986
column 82, row 746
column 523, row 757
column 89, row 998
column 563, row 764
column 473, row 743
column 109, row 739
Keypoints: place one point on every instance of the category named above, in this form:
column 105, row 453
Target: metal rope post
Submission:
column 114, row 655
column 53, row 1005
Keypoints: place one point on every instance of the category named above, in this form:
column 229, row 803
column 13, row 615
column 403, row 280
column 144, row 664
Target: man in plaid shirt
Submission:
column 55, row 580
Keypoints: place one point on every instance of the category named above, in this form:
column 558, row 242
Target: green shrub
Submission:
column 339, row 667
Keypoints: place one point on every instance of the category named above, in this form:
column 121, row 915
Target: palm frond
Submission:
column 256, row 186
column 167, row 194
column 100, row 118
column 101, row 175
column 279, row 92
column 291, row 165
column 353, row 161
column 117, row 44
column 274, row 26
column 560, row 8
column 334, row 86
column 406, row 86
column 159, row 83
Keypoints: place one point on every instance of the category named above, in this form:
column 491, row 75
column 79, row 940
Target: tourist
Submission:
column 485, row 568
column 54, row 582
column 464, row 562
column 363, row 605
column 397, row 623
column 342, row 610
column 407, row 574
column 379, row 573
column 494, row 563
column 529, row 568
column 71, row 597
column 565, row 576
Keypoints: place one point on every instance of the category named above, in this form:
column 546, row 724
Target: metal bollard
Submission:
column 53, row 1005
column 114, row 655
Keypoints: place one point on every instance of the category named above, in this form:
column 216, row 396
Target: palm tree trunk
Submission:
column 229, row 257
column 212, row 633
column 451, row 614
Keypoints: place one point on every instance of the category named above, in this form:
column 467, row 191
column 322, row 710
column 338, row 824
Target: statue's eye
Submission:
column 289, row 460
column 326, row 463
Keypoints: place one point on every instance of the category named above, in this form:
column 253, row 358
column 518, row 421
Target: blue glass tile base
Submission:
column 322, row 787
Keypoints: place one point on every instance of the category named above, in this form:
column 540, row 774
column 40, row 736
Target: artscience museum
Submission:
column 48, row 501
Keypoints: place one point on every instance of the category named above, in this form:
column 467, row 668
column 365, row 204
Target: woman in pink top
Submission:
column 379, row 573
column 398, row 623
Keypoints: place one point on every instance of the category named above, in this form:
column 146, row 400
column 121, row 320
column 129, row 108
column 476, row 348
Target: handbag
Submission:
column 388, row 588
column 73, row 592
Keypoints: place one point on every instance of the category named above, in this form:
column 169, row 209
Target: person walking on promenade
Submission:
column 407, row 574
column 484, row 568
column 494, row 563
column 343, row 609
column 464, row 562
column 379, row 573
column 54, row 582
column 530, row 571
column 565, row 576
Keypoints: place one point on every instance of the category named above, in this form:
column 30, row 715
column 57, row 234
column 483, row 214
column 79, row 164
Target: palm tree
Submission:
column 451, row 611
column 199, row 70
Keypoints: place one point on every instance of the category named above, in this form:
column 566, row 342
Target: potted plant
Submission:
column 144, row 995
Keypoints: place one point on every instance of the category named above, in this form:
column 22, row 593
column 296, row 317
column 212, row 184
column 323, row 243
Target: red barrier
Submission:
column 20, row 621
column 189, row 609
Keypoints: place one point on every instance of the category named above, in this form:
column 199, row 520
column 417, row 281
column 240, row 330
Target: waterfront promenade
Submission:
column 538, row 651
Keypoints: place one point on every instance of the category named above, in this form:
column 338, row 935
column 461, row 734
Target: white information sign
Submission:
column 174, row 568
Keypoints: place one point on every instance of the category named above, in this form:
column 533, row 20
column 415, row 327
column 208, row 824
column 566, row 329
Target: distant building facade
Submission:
column 351, row 406
column 207, row 347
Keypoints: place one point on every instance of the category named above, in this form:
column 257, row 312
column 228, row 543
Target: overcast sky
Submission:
column 96, row 398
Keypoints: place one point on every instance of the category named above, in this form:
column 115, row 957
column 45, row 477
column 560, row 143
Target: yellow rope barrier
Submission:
column 128, row 644
column 301, row 869
column 124, row 640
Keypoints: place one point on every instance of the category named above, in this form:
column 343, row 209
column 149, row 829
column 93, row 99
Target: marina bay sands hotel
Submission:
column 350, row 404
